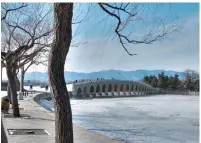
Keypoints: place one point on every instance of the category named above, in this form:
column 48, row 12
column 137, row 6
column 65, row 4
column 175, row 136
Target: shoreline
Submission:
column 42, row 118
column 32, row 108
column 74, row 124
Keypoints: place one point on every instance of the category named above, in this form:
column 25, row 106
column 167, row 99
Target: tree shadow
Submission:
column 3, row 134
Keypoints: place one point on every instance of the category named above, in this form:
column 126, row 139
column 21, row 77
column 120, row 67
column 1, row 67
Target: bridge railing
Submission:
column 28, row 92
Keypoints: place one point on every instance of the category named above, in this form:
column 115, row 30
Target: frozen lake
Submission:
column 155, row 119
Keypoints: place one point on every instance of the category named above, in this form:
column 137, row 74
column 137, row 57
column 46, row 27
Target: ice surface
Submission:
column 155, row 119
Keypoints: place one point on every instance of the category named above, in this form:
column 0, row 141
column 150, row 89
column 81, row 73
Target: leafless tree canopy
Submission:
column 6, row 8
column 125, row 13
column 26, row 32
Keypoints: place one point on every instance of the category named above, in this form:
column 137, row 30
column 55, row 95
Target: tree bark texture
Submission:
column 17, row 83
column 11, row 73
column 9, row 93
column 63, row 13
column 22, row 80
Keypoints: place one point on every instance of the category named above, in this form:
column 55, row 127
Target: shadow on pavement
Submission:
column 3, row 134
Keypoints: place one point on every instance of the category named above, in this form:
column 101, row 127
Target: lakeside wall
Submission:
column 47, row 96
column 41, row 99
column 40, row 96
column 188, row 93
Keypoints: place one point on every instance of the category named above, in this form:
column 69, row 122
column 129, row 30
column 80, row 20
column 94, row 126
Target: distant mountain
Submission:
column 117, row 74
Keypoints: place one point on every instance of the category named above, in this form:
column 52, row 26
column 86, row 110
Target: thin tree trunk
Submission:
column 22, row 80
column 63, row 13
column 11, row 73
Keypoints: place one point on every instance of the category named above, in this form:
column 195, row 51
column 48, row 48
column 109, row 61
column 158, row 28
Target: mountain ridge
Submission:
column 117, row 74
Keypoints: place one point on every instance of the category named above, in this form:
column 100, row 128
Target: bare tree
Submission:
column 39, row 59
column 25, row 33
column 9, row 8
column 63, row 14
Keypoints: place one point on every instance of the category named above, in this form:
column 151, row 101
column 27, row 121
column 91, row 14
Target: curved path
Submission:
column 43, row 119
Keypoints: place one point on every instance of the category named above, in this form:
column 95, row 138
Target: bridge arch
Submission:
column 122, row 88
column 132, row 87
column 127, row 87
column 85, row 90
column 110, row 88
column 92, row 89
column 98, row 88
column 79, row 90
column 115, row 87
column 103, row 88
column 139, row 89
column 136, row 88
column 142, row 89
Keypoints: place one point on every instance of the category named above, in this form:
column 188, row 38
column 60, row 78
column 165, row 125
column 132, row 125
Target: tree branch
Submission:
column 124, row 39
column 28, row 66
column 117, row 27
column 12, row 9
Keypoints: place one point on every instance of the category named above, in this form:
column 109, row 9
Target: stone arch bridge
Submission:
column 111, row 87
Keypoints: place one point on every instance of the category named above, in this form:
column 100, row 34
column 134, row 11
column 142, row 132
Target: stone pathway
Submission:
column 3, row 134
column 43, row 119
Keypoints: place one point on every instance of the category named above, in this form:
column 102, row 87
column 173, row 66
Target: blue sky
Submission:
column 178, row 52
column 169, row 11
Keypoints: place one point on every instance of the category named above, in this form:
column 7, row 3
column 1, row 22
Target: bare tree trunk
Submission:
column 22, row 80
column 63, row 13
column 17, row 83
column 9, row 93
column 11, row 73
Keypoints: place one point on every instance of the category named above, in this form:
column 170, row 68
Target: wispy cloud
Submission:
column 179, row 52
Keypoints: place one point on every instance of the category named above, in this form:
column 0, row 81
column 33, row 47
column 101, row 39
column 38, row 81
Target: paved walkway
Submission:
column 43, row 119
column 3, row 134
